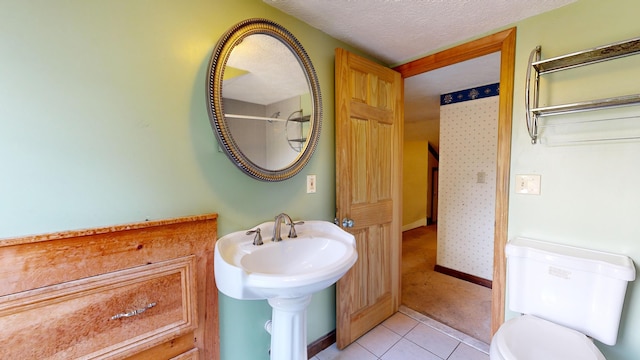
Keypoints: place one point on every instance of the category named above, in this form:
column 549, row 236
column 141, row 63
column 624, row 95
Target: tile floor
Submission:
column 409, row 335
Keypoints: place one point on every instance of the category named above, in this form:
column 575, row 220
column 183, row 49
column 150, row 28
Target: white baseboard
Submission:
column 415, row 224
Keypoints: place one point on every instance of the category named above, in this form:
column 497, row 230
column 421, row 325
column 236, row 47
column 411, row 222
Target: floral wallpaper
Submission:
column 467, row 183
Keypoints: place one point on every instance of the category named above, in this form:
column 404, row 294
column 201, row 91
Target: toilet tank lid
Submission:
column 613, row 265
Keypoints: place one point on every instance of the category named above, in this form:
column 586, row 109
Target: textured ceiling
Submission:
column 395, row 31
column 258, row 63
column 398, row 31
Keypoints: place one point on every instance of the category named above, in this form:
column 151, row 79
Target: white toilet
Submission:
column 567, row 295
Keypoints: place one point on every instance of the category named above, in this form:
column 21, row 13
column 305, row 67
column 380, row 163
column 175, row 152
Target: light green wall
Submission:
column 590, row 194
column 103, row 121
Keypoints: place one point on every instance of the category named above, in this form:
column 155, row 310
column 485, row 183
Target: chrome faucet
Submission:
column 276, row 226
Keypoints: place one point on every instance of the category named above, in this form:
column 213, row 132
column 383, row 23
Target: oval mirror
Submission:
column 263, row 100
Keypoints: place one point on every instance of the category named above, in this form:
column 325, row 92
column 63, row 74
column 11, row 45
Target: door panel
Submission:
column 369, row 132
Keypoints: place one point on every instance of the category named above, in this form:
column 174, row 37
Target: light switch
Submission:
column 481, row 177
column 528, row 184
column 311, row 184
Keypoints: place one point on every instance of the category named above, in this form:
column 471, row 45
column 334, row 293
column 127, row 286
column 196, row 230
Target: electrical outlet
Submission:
column 528, row 184
column 311, row 184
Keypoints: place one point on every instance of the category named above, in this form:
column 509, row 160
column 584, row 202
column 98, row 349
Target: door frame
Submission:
column 433, row 198
column 504, row 41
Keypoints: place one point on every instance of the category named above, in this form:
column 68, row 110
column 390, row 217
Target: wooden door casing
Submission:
column 505, row 42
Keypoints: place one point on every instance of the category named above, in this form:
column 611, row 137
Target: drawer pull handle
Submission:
column 133, row 312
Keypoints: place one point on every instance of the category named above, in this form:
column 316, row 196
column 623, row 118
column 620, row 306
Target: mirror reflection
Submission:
column 267, row 101
column 264, row 100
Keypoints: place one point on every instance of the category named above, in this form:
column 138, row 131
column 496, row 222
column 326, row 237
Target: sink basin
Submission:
column 285, row 273
column 294, row 267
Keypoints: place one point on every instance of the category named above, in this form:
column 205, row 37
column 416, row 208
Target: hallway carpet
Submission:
column 457, row 303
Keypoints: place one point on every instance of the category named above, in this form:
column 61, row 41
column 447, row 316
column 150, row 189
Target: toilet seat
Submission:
column 530, row 338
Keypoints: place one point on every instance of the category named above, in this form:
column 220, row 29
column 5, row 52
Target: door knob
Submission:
column 347, row 223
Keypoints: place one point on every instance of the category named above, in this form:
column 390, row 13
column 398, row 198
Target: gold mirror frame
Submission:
column 215, row 76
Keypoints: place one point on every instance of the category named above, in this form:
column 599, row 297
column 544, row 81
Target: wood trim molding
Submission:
column 463, row 276
column 473, row 49
column 322, row 343
column 505, row 42
column 104, row 230
column 505, row 119
column 433, row 151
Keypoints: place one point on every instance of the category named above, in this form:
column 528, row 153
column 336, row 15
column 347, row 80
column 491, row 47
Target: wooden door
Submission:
column 369, row 130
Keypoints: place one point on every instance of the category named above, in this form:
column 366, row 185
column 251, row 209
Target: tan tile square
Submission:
column 379, row 340
column 406, row 350
column 352, row 352
column 466, row 352
column 400, row 323
column 433, row 340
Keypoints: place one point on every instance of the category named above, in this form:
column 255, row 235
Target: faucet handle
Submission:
column 292, row 229
column 257, row 240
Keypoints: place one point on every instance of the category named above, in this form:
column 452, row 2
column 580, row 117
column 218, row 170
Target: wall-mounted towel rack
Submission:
column 537, row 67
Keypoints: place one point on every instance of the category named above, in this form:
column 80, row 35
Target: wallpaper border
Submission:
column 473, row 93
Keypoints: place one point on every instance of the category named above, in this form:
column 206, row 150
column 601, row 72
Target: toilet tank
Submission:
column 578, row 288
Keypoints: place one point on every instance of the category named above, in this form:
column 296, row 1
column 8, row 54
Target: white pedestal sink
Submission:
column 286, row 273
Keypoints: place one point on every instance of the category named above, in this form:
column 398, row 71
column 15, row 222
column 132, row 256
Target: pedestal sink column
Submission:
column 289, row 328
